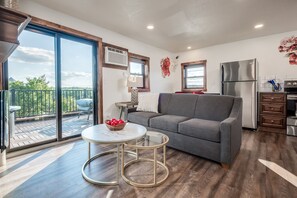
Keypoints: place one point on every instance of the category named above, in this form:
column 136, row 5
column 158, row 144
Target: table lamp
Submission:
column 134, row 82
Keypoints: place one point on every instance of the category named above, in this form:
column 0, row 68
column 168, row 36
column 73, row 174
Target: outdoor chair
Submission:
column 84, row 106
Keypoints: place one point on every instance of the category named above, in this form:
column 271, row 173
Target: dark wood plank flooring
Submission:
column 56, row 172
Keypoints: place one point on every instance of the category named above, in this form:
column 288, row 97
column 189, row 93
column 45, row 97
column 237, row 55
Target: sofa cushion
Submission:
column 167, row 122
column 212, row 107
column 164, row 99
column 182, row 105
column 141, row 117
column 202, row 129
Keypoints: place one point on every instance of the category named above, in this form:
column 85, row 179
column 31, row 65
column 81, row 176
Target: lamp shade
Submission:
column 135, row 81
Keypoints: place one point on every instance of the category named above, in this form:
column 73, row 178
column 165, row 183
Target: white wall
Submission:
column 114, row 88
column 272, row 64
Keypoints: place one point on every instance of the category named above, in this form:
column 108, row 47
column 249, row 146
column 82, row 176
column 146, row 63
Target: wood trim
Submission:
column 100, row 82
column 137, row 56
column 61, row 28
column 195, row 62
column 64, row 29
column 1, row 76
column 183, row 65
column 111, row 65
column 147, row 76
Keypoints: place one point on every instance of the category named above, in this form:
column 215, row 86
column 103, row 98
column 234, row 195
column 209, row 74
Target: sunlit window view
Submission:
column 77, row 87
column 137, row 69
column 33, row 83
column 194, row 77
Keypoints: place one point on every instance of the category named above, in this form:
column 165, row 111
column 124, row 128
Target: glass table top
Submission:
column 150, row 140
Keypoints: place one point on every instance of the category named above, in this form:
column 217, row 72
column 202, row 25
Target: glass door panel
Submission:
column 31, row 72
column 76, row 86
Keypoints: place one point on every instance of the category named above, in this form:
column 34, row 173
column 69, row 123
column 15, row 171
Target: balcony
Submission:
column 34, row 120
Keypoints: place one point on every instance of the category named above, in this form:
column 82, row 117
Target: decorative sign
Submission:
column 165, row 67
column 289, row 46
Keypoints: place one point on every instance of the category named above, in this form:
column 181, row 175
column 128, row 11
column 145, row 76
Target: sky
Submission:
column 35, row 57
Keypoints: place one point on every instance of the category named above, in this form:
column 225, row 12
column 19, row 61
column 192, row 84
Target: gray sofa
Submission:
column 204, row 125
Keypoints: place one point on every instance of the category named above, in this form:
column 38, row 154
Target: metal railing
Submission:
column 43, row 102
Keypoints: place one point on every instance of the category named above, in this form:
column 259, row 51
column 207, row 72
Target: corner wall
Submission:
column 114, row 81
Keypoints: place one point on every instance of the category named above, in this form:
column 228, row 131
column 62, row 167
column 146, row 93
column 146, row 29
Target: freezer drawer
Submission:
column 247, row 91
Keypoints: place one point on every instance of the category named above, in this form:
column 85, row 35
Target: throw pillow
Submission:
column 148, row 102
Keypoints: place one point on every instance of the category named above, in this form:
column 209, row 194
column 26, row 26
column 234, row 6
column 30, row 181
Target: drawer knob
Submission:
column 272, row 98
column 272, row 121
column 271, row 108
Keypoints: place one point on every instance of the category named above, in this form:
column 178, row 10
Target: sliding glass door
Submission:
column 77, row 68
column 32, row 85
column 51, row 78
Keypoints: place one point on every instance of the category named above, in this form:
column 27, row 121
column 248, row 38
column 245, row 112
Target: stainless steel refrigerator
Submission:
column 239, row 78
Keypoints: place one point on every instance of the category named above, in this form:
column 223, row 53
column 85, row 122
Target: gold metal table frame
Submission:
column 155, row 161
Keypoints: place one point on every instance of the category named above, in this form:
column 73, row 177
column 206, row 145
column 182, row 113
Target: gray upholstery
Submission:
column 202, row 129
column 212, row 107
column 231, row 129
column 182, row 105
column 141, row 117
column 167, row 122
column 209, row 126
column 164, row 100
column 195, row 146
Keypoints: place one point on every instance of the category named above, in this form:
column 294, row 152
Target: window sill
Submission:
column 193, row 90
column 141, row 90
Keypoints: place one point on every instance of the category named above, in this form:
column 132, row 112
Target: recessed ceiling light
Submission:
column 189, row 47
column 150, row 27
column 258, row 26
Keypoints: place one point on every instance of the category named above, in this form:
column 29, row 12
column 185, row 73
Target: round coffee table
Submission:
column 151, row 141
column 100, row 134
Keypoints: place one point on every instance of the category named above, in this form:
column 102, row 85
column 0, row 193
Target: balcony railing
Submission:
column 43, row 102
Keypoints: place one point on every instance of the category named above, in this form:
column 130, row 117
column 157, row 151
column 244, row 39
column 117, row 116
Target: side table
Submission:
column 124, row 108
column 151, row 141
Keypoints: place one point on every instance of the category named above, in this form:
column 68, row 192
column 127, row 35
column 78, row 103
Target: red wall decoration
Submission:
column 165, row 67
column 289, row 46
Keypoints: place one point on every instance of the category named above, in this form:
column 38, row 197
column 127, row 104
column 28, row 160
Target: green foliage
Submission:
column 35, row 83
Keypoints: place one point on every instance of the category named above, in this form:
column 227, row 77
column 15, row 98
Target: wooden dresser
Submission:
column 272, row 108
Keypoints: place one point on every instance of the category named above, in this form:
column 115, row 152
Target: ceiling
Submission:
column 182, row 23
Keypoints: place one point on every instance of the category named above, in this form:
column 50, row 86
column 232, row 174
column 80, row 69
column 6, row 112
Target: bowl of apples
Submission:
column 115, row 125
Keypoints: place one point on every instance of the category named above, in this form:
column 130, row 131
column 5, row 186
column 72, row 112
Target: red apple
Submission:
column 121, row 121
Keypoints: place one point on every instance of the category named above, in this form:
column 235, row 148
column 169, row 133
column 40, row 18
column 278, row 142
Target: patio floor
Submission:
column 31, row 132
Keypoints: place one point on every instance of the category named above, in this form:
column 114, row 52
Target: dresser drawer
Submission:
column 273, row 97
column 272, row 121
column 273, row 108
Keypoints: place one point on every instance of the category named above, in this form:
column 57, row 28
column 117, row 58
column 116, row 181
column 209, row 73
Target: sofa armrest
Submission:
column 231, row 132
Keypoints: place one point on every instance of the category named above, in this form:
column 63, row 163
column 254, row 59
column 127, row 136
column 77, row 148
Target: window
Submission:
column 139, row 68
column 194, row 76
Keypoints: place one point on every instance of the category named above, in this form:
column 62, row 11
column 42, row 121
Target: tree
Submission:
column 35, row 96
column 35, row 83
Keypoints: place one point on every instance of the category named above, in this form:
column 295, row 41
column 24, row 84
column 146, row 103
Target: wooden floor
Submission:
column 31, row 132
column 56, row 172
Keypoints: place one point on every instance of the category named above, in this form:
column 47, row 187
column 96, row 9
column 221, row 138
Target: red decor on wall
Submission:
column 165, row 67
column 289, row 46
